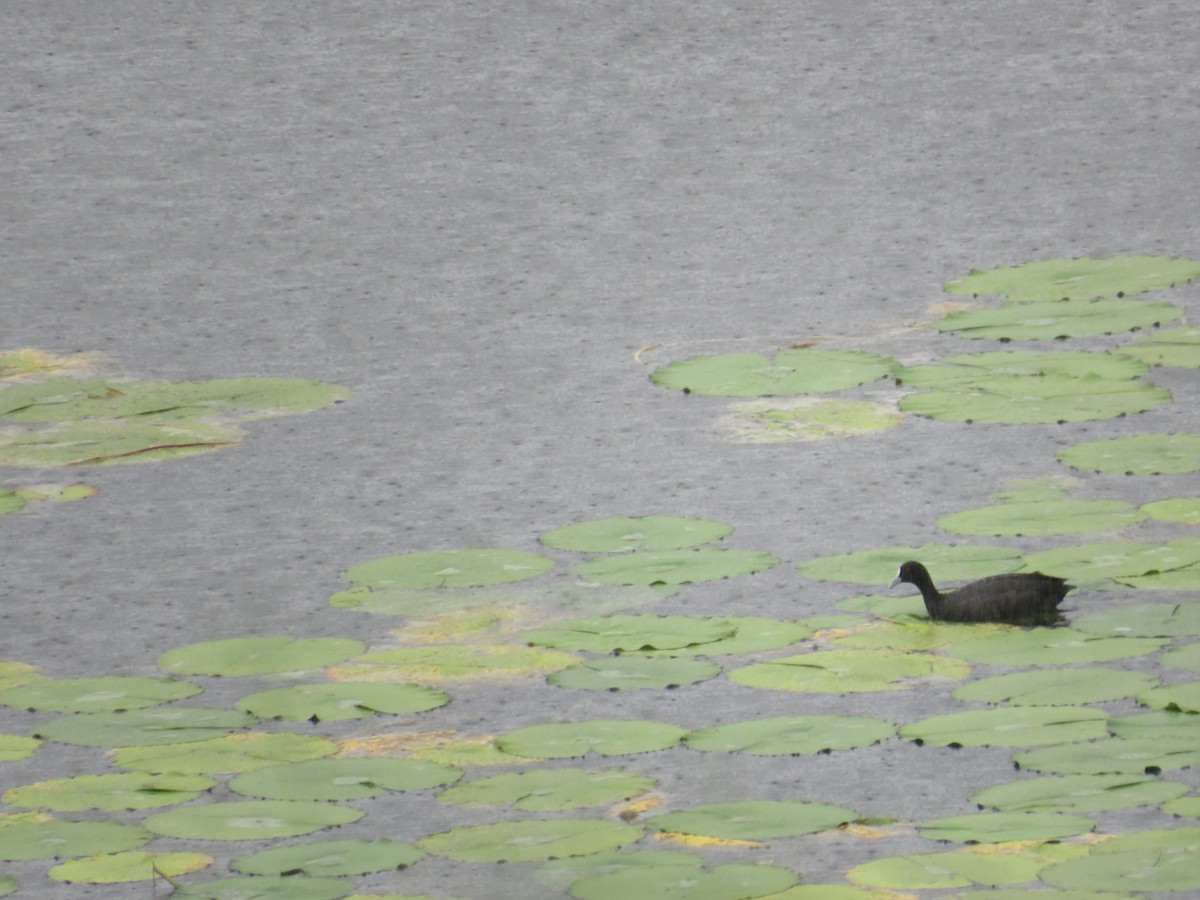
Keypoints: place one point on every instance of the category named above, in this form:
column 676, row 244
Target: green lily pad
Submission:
column 347, row 778
column 1016, row 726
column 244, row 820
column 258, row 655
column 752, row 820
column 546, row 789
column 670, row 567
column 343, row 700
column 328, row 858
column 1127, row 756
column 1027, row 367
column 605, row 634
column 971, row 865
column 1065, row 646
column 241, row 752
column 141, row 727
column 13, row 674
column 531, row 840
column 1121, row 561
column 916, row 634
column 36, row 839
column 1079, row 793
column 622, row 533
column 594, row 599
column 734, row 881
column 627, row 673
column 1057, row 686
column 560, row 874
column 112, row 792
column 453, row 662
column 1144, row 620
column 111, row 692
column 1185, row 656
column 1169, row 347
column 467, row 567
column 848, row 671
column 15, row 746
column 805, row 419
column 1039, row 517
column 878, row 565
column 1185, row 807
column 608, row 737
column 1137, row 454
column 10, row 501
column 1162, row 860
column 101, row 442
column 1081, row 278
column 1057, row 318
column 752, row 634
column 263, row 887
column 1183, row 697
column 805, row 370
column 791, row 735
column 994, row 828
column 131, row 865
column 1176, row 509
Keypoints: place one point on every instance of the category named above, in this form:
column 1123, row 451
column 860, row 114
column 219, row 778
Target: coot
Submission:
column 1014, row 597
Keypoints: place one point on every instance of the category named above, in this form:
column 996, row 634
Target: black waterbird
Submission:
column 1018, row 598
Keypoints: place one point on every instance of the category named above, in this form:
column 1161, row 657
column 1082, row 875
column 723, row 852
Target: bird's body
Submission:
column 1015, row 597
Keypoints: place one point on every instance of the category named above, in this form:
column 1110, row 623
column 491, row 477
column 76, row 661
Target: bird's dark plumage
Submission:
column 1016, row 597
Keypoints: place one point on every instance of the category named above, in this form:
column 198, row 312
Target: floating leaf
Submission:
column 1183, row 697
column 531, row 840
column 1112, row 755
column 546, row 789
column 1136, row 454
column 1057, row 318
column 112, row 692
column 1177, row 509
column 1056, row 686
column 468, row 567
column 1185, row 656
column 343, row 700
column 752, row 634
column 560, row 874
column 791, row 735
column 805, row 419
column 878, row 565
column 453, row 662
column 142, row 727
column 228, row 753
column 993, row 828
column 263, row 887
column 1122, row 561
column 244, row 820
column 848, row 671
column 1057, row 516
column 100, row 442
column 1081, row 278
column 674, row 566
column 10, row 502
column 605, row 634
column 1029, row 367
column 1144, row 620
column 1065, row 646
column 14, row 747
column 112, row 792
column 752, row 820
column 347, row 857
column 132, row 865
column 627, row 673
column 608, row 737
column 1162, row 860
column 40, row 839
column 1079, row 793
column 258, row 655
column 729, row 882
column 1169, row 347
column 348, row 778
column 804, row 370
column 13, row 674
column 621, row 533
column 946, row 870
column 1018, row 726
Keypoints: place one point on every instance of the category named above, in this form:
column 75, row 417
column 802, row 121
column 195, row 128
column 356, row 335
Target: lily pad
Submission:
column 100, row 442
column 1017, row 726
column 1169, row 347
column 752, row 820
column 342, row 700
column 141, row 727
column 733, row 881
column 626, row 673
column 263, row 887
column 950, row 562
column 848, row 671
column 1183, row 697
column 670, row 567
column 1176, row 509
column 346, row 778
column 803, row 370
column 1058, row 318
column 970, row 865
column 1121, row 561
column 1079, row 793
column 752, row 634
column 1080, row 278
column 1144, row 620
column 1058, row 516
column 605, row 634
column 15, row 746
column 328, row 858
column 791, row 735
column 241, row 752
column 244, row 820
column 621, row 533
column 1057, row 686
column 132, row 865
column 1185, row 656
column 805, row 419
column 51, row 839
column 531, row 840
column 113, row 692
column 452, row 662
column 1161, row 860
column 1137, row 454
column 258, row 655
column 560, row 874
column 608, row 737
column 112, row 792
column 1062, row 646
column 994, row 828
column 546, row 789
column 1115, row 755
column 468, row 567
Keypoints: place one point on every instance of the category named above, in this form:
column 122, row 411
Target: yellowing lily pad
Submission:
column 805, row 419
column 453, row 662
